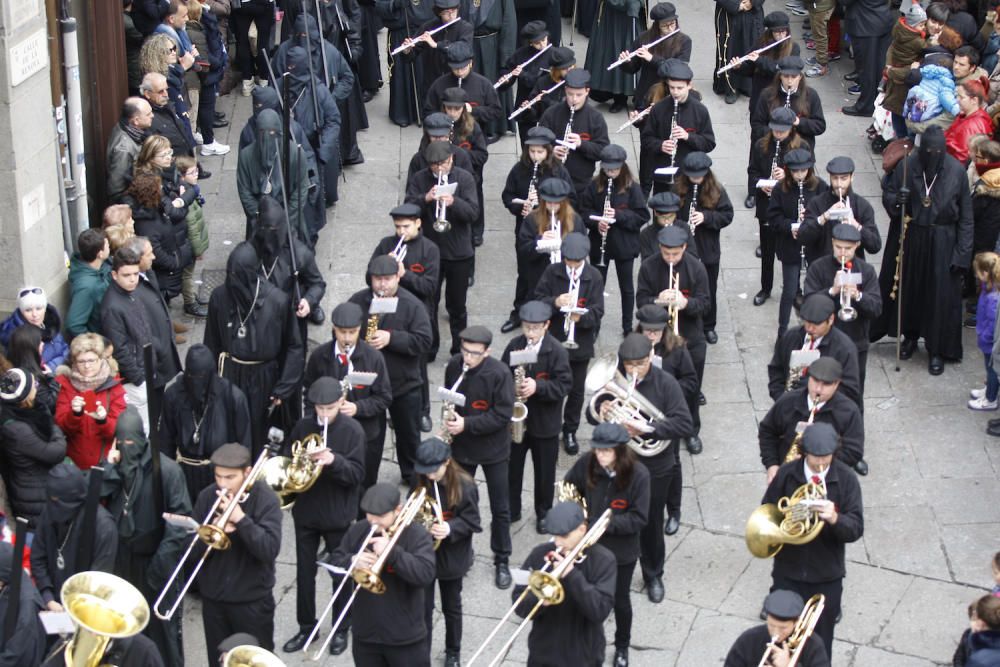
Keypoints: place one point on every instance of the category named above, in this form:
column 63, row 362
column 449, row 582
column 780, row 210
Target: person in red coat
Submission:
column 971, row 120
column 90, row 399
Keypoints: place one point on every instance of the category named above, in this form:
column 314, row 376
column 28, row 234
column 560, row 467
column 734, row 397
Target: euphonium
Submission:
column 441, row 223
column 448, row 409
column 290, row 476
column 104, row 608
column 248, row 655
column 793, row 520
column 847, row 312
column 518, row 419
column 803, row 629
column 627, row 404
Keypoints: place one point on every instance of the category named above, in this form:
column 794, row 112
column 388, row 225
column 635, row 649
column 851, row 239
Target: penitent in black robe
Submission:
column 736, row 33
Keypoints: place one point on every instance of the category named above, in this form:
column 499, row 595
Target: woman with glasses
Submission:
column 33, row 308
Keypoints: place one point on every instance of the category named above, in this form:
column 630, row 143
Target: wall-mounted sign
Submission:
column 28, row 56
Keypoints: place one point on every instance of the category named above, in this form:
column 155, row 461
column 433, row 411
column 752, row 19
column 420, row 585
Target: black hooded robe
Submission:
column 27, row 645
column 736, row 34
column 494, row 39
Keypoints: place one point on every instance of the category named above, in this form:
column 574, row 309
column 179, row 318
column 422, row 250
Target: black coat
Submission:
column 822, row 559
column 519, row 181
column 489, row 403
column 27, row 645
column 125, row 323
column 817, row 238
column 553, row 380
column 529, row 118
column 571, row 633
column 783, row 212
column 811, row 124
column 762, row 158
column 763, row 72
column 554, row 283
column 631, row 214
column 371, row 401
column 779, row 426
column 482, row 97
column 423, row 266
column 679, row 365
column 867, row 18
column 434, row 62
column 462, row 160
column 278, row 272
column 167, row 362
column 748, row 648
column 679, row 47
column 332, row 502
column 707, row 244
column 736, row 33
column 834, row 344
column 455, row 556
column 495, row 27
column 167, row 123
column 654, row 276
column 629, row 505
column 45, row 550
column 589, row 123
column 395, row 618
column 455, row 243
column 410, row 327
column 529, row 75
column 27, row 457
column 167, row 233
column 820, row 278
column 531, row 262
column 692, row 115
column 245, row 571
column 986, row 212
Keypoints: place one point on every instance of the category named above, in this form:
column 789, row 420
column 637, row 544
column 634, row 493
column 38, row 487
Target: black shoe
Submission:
column 994, row 423
column 502, row 578
column 514, row 518
column 621, row 657
column 840, row 615
column 195, row 309
column 701, row 398
column 617, row 107
column 203, row 174
column 750, row 201
column 994, row 429
column 853, row 76
column 570, row 444
column 797, row 301
column 295, row 644
column 626, row 331
column 936, row 365
column 472, row 280
column 425, row 424
column 357, row 157
column 757, row 252
column 219, row 115
column 452, row 660
column 654, row 591
column 763, row 614
column 339, row 642
column 853, row 110
column 509, row 326
column 861, row 467
column 731, row 98
column 969, row 322
column 907, row 348
column 761, row 297
column 672, row 525
column 366, row 96
column 540, row 525
column 694, row 445
column 217, row 123
column 711, row 337
column 316, row 315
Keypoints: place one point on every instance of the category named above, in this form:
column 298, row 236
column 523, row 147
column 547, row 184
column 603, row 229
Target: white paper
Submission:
column 181, row 521
column 523, row 357
column 383, row 305
column 361, row 378
column 802, row 358
column 520, row 577
column 333, row 569
column 445, row 190
column 57, row 622
column 766, row 183
column 449, row 396
column 666, row 171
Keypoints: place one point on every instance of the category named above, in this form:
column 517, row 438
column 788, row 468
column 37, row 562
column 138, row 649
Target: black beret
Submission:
column 840, row 165
column 672, row 236
column 431, row 453
column 405, row 210
column 382, row 265
column 347, row 315
column 554, row 189
column 454, row 97
column 231, row 455
column 826, row 369
column 575, row 246
column 477, row 333
column 776, row 20
column 613, row 156
column 324, row 391
column 437, row 151
column 540, row 136
column 535, row 311
column 609, row 435
column 696, row 164
column 674, row 70
column 534, row 31
column 577, row 78
column 237, row 639
column 817, row 307
column 791, row 65
column 845, row 232
column 783, row 605
column 380, row 499
column 819, row 439
column 665, row 202
column 445, row 4
column 562, row 57
column 782, row 118
column 635, row 346
column 564, row 518
column 437, row 124
column 662, row 11
column 799, row 158
column 652, row 317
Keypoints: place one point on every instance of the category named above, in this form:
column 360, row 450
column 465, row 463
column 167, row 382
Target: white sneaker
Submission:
column 262, row 82
column 197, row 138
column 978, row 393
column 214, row 148
column 247, row 87
column 982, row 404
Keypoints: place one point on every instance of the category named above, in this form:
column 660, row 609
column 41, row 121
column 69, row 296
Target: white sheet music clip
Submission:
column 519, row 577
column 332, row 569
column 361, row 378
column 57, row 622
column 383, row 305
column 445, row 190
column 574, row 310
column 849, row 279
column 666, row 171
column 523, row 357
column 449, row 396
column 566, row 144
column 766, row 183
column 802, row 358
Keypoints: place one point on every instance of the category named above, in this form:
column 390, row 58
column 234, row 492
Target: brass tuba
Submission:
column 605, row 380
column 803, row 629
column 792, row 520
column 251, row 656
column 290, row 476
column 104, row 608
column 518, row 419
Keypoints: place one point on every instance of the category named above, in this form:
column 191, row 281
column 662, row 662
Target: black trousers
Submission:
column 454, row 272
column 524, row 288
column 623, row 269
column 262, row 15
column 574, row 400
column 374, row 449
column 768, row 244
column 869, row 59
column 789, row 287
column 405, row 413
column 713, row 285
column 698, row 351
column 833, row 590
column 623, row 605
column 206, row 111
column 451, row 607
column 221, row 619
column 675, row 484
column 544, row 454
column 862, row 372
column 366, row 654
column 425, row 388
column 651, row 541
column 307, row 542
column 496, row 487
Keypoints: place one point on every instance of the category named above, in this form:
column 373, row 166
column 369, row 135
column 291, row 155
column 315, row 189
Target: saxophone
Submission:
column 518, row 420
column 371, row 327
column 448, row 409
column 795, row 451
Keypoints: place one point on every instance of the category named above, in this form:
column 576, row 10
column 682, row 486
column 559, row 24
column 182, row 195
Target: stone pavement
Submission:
column 931, row 498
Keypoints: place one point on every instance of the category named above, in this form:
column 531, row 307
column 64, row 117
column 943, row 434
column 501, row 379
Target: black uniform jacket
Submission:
column 692, row 115
column 589, row 123
column 762, row 157
column 519, row 180
column 462, row 160
column 679, row 46
column 680, row 366
column 820, row 278
column 654, row 277
column 648, row 245
column 373, row 400
column 454, row 556
column 553, row 380
column 423, row 266
column 332, row 502
column 529, row 118
column 481, row 95
column 629, row 505
column 245, row 571
column 456, row 243
column 630, row 215
column 489, row 404
column 778, row 428
column 750, row 646
column 411, row 338
column 783, row 212
column 810, row 126
column 396, row 617
column 707, row 244
column 529, row 75
column 817, row 239
column 571, row 633
column 554, row 282
column 822, row 559
column 834, row 344
column 434, row 62
column 528, row 235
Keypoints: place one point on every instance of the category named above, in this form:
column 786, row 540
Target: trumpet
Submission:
column 211, row 532
column 104, row 608
column 399, row 252
column 691, row 209
column 674, row 313
column 441, row 223
column 448, row 408
column 793, row 520
column 569, row 324
column 552, row 246
column 367, row 578
column 804, row 627
column 604, row 218
column 847, row 312
column 290, row 476
column 518, row 420
column 625, row 404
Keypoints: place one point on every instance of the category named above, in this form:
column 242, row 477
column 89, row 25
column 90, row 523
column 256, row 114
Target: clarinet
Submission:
column 788, row 98
column 673, row 126
column 801, row 215
column 604, row 236
column 694, row 201
column 777, row 151
column 569, row 129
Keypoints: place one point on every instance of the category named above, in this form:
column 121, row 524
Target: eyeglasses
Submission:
column 166, row 153
column 173, row 49
column 29, row 290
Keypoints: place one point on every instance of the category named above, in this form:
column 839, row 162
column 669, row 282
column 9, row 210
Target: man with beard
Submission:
column 840, row 204
column 930, row 188
column 26, row 646
column 201, row 412
column 251, row 329
column 148, row 547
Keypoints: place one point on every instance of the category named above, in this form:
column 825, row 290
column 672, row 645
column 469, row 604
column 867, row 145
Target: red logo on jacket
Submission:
column 542, row 375
column 466, row 145
column 480, row 405
column 447, row 515
column 584, row 136
column 417, row 268
column 581, row 302
column 619, row 504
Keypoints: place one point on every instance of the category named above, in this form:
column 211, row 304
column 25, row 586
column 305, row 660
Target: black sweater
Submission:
column 629, row 506
column 489, row 404
column 553, row 380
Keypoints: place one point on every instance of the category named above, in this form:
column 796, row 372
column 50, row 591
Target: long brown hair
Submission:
column 709, row 190
column 546, row 166
column 622, row 182
column 792, row 142
column 668, row 48
column 788, row 182
column 779, row 51
column 623, row 466
column 455, row 478
column 565, row 214
column 776, row 97
column 557, row 74
column 462, row 128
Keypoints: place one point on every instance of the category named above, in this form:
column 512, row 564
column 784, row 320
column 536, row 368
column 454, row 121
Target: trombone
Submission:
column 368, row 578
column 803, row 629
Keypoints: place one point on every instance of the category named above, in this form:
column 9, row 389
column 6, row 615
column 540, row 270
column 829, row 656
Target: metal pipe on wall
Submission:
column 74, row 111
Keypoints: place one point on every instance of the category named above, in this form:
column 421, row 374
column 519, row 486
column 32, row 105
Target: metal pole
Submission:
column 78, row 149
